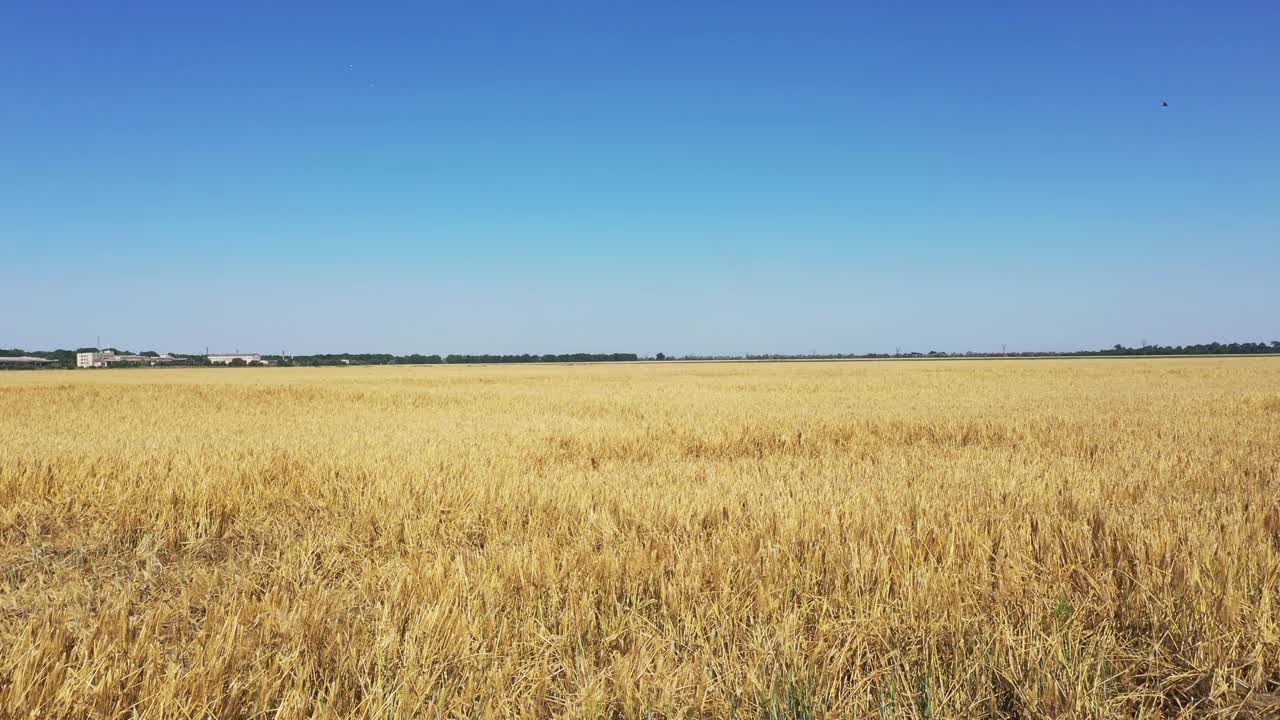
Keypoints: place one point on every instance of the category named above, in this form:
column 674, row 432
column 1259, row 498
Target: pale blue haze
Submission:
column 601, row 177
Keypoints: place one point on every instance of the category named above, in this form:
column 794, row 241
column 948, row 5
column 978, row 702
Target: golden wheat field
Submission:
column 951, row 539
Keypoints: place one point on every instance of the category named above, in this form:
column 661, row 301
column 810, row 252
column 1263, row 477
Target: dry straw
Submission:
column 1083, row 538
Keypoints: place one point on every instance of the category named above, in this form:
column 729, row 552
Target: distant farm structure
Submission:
column 230, row 359
column 108, row 358
column 23, row 361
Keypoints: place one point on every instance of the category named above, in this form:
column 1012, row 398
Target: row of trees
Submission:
column 571, row 357
column 388, row 359
column 1215, row 348
column 67, row 358
column 350, row 359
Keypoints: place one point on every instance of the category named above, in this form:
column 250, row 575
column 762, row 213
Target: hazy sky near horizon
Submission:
column 607, row 177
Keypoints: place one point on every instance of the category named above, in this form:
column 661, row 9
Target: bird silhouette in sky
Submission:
column 1164, row 103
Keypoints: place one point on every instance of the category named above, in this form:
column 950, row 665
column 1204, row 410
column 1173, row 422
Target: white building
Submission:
column 228, row 359
column 94, row 359
column 107, row 358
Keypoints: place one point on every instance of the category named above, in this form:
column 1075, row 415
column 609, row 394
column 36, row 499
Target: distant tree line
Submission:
column 571, row 357
column 388, row 359
column 67, row 358
column 1215, row 348
column 350, row 359
column 1248, row 348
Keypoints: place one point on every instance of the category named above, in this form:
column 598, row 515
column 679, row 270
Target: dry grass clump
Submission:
column 1091, row 538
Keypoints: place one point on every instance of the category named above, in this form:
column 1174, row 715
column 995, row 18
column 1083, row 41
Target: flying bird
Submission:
column 1164, row 103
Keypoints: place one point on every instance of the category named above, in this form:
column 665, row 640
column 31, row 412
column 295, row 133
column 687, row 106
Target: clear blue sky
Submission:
column 678, row 177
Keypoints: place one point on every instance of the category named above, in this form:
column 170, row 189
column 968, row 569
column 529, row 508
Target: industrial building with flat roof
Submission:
column 23, row 360
column 109, row 358
column 230, row 358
